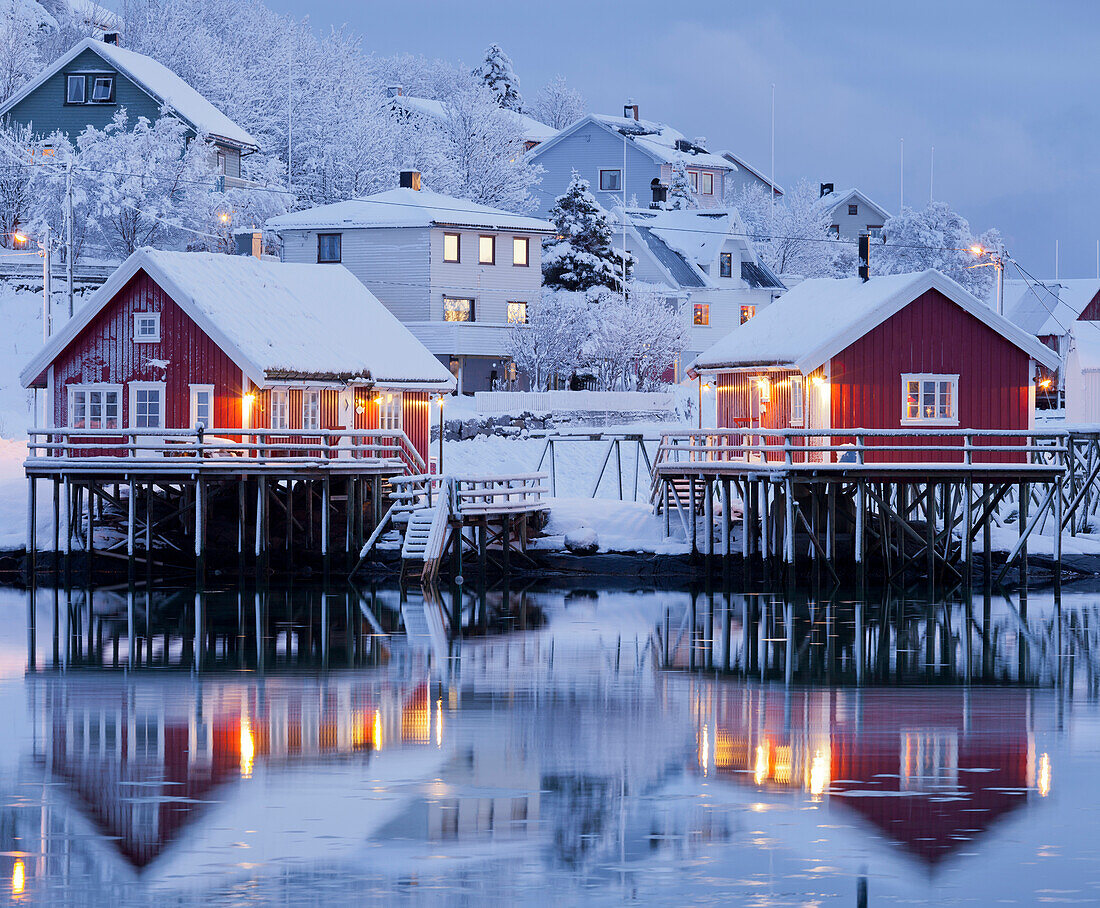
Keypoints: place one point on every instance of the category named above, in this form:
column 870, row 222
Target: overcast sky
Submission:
column 1005, row 91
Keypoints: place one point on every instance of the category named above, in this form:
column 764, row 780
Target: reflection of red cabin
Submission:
column 897, row 351
column 931, row 768
column 174, row 339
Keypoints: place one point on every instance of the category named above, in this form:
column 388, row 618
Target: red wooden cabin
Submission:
column 173, row 340
column 896, row 352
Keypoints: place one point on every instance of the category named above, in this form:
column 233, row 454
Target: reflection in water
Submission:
column 311, row 744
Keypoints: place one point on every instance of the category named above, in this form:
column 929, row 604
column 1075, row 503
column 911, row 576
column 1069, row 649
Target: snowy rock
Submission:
column 469, row 429
column 582, row 541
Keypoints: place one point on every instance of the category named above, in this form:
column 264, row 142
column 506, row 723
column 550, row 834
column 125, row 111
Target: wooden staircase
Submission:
column 666, row 492
column 426, row 537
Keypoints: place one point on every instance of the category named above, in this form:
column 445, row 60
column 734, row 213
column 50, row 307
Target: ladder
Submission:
column 426, row 537
column 664, row 497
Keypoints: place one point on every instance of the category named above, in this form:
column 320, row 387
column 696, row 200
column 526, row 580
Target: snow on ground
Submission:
column 20, row 339
column 620, row 526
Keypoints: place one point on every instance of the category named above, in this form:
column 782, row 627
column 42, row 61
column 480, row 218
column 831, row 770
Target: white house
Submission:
column 623, row 157
column 854, row 214
column 459, row 275
column 704, row 262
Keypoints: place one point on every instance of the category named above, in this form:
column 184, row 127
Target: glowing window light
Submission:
column 248, row 747
column 760, row 767
column 18, row 878
column 1043, row 781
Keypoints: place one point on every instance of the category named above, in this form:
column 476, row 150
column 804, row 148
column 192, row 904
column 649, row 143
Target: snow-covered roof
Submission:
column 158, row 81
column 407, row 208
column 274, row 319
column 811, row 323
column 1047, row 308
column 532, row 129
column 661, row 142
column 835, row 199
column 742, row 164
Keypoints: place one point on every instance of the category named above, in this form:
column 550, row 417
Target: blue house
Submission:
column 623, row 158
column 86, row 86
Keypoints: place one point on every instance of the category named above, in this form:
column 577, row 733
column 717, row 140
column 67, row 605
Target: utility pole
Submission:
column 47, row 288
column 901, row 179
column 69, row 231
column 771, row 175
column 999, row 267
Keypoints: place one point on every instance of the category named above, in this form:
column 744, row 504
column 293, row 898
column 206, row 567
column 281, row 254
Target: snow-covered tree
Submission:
column 20, row 178
column 556, row 104
column 147, row 184
column 582, row 254
column 19, row 51
column 681, row 194
column 791, row 234
column 546, row 347
column 500, row 78
column 934, row 237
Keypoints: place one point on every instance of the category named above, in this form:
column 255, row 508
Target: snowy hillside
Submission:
column 20, row 338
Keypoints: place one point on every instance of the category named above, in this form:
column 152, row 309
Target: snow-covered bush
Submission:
column 582, row 255
column 681, row 194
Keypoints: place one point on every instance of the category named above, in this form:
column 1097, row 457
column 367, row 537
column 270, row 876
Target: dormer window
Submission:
column 725, row 264
column 103, row 90
column 146, row 327
column 74, row 89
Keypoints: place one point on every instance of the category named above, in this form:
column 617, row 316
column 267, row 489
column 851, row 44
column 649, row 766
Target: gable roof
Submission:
column 742, row 164
column 657, row 141
column 1048, row 307
column 273, row 319
column 407, row 208
column 156, row 80
column 810, row 324
column 835, row 199
column 681, row 273
column 532, row 129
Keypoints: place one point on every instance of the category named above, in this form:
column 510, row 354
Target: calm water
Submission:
column 585, row 746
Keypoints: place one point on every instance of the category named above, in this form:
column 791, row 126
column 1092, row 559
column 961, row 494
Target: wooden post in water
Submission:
column 56, row 530
column 694, row 528
column 326, row 504
column 131, row 521
column 1025, row 492
column 200, row 533
column 90, row 539
column 32, row 527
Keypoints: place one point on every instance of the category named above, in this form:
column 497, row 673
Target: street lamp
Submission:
column 997, row 260
column 702, row 385
column 440, row 434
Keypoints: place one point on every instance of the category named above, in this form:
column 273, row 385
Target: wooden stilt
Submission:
column 1025, row 494
column 131, row 521
column 694, row 519
column 727, row 517
column 56, row 530
column 32, row 529
column 200, row 531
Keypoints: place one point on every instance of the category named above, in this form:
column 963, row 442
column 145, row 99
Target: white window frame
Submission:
column 147, row 338
column 196, row 390
column 84, row 87
column 104, row 388
column 722, row 258
column 697, row 310
column 481, row 260
column 457, row 260
column 110, row 80
column 524, row 243
column 311, row 408
column 939, row 379
column 390, row 406
column 280, row 406
column 798, row 396
column 136, row 386
column 706, row 182
column 615, row 170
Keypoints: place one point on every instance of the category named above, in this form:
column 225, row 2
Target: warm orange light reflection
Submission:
column 248, row 747
column 819, row 773
column 1043, row 781
column 704, row 750
column 439, row 722
column 376, row 734
column 18, row 878
column 760, row 767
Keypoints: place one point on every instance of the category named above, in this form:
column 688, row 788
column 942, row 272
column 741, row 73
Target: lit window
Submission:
column 147, row 405
column 747, row 312
column 725, row 264
column 702, row 314
column 486, row 250
column 280, row 409
column 202, row 405
column 510, row 373
column 706, row 181
column 74, row 89
column 311, row 409
column 451, row 251
column 797, row 400
column 853, row 209
column 146, row 327
column 611, row 181
column 389, row 412
column 95, row 406
column 457, row 309
column 517, row 313
column 103, row 90
column 329, row 249
column 520, row 251
column 930, row 399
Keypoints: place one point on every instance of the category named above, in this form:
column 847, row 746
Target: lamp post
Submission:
column 702, row 385
column 440, row 434
column 997, row 260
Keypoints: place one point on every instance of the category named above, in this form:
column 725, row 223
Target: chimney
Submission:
column 394, row 91
column 660, row 194
column 826, row 189
column 410, row 179
column 630, row 109
column 111, row 38
column 864, row 257
column 700, row 142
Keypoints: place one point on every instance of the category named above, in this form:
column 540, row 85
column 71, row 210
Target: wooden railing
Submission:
column 477, row 495
column 287, row 447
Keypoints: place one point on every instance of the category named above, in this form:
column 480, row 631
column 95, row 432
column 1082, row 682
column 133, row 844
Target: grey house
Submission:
column 853, row 213
column 460, row 276
column 623, row 157
column 92, row 81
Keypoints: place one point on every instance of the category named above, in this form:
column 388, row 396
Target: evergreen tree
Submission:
column 582, row 255
column 501, row 79
column 681, row 194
